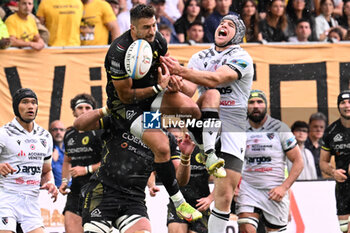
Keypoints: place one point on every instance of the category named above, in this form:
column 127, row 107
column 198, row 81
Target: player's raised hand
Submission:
column 186, row 145
column 175, row 83
column 6, row 169
column 163, row 76
column 172, row 64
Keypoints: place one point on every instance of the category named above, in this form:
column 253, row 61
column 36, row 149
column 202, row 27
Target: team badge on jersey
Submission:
column 43, row 142
column 85, row 140
column 240, row 62
column 5, row 220
column 151, row 120
column 270, row 135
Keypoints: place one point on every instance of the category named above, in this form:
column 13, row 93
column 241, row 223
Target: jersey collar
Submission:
column 20, row 127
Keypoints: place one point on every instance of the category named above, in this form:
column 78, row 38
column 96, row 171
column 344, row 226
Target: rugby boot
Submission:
column 186, row 212
column 213, row 163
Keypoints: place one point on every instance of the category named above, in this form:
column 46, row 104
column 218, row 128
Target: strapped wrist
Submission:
column 157, row 88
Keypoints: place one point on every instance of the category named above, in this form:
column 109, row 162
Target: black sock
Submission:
column 166, row 173
column 196, row 132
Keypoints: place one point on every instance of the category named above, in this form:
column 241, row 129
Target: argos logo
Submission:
column 32, row 170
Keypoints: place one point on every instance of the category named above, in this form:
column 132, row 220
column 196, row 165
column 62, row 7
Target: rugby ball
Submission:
column 138, row 59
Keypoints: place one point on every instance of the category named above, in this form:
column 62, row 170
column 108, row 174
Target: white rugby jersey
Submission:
column 25, row 152
column 234, row 95
column 265, row 159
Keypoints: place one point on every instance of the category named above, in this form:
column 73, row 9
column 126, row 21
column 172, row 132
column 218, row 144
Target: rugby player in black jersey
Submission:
column 337, row 143
column 129, row 98
column 82, row 157
column 115, row 195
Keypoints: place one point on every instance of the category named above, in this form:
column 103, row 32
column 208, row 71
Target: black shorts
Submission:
column 199, row 226
column 342, row 197
column 74, row 203
column 232, row 162
column 104, row 203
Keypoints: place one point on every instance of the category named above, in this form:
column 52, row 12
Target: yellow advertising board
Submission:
column 298, row 79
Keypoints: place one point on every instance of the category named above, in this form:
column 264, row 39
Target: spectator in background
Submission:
column 212, row 21
column 250, row 17
column 317, row 125
column 335, row 35
column 191, row 13
column 207, row 7
column 166, row 32
column 57, row 131
column 62, row 19
column 22, row 27
column 345, row 19
column 115, row 6
column 195, row 33
column 162, row 18
column 124, row 17
column 98, row 19
column 297, row 10
column 325, row 22
column 174, row 9
column 4, row 36
column 302, row 31
column 300, row 130
column 274, row 27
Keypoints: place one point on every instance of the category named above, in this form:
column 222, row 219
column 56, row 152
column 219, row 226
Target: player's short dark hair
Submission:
column 318, row 116
column 299, row 125
column 196, row 23
column 83, row 98
column 302, row 20
column 141, row 11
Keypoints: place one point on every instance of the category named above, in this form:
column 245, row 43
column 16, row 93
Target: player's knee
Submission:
column 97, row 227
column 162, row 150
column 344, row 225
column 136, row 127
column 248, row 224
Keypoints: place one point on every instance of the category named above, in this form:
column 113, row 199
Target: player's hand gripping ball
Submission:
column 138, row 59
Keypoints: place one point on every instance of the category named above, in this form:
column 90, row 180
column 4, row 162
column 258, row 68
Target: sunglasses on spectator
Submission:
column 58, row 129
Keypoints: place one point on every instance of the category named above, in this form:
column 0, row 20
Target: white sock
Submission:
column 218, row 221
column 211, row 127
column 177, row 199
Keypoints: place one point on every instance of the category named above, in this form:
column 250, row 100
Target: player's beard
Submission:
column 256, row 118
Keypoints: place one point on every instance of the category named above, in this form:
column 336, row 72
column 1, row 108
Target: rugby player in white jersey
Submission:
column 229, row 69
column 264, row 189
column 25, row 166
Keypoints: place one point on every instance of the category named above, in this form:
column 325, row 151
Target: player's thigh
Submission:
column 175, row 103
column 72, row 222
column 176, row 227
column 143, row 225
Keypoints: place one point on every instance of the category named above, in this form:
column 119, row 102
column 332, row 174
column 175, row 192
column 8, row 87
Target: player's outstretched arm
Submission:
column 90, row 120
column 223, row 74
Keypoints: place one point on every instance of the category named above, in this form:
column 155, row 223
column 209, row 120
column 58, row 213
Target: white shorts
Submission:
column 234, row 143
column 275, row 213
column 24, row 209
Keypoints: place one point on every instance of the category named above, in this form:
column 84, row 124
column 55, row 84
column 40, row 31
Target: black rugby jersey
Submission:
column 126, row 161
column 337, row 141
column 84, row 148
column 114, row 64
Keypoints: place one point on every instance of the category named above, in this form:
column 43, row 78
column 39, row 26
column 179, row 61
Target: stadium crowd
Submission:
column 40, row 23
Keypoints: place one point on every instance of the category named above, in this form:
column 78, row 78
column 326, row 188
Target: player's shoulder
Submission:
column 161, row 43
column 69, row 132
column 120, row 45
column 275, row 125
column 334, row 127
column 41, row 131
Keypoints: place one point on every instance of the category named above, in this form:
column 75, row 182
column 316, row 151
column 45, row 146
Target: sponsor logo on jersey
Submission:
column 134, row 139
column 96, row 213
column 5, row 220
column 79, row 150
column 120, row 47
column 21, row 153
column 32, row 170
column 338, row 138
column 342, row 146
column 259, row 160
column 36, row 155
column 115, row 64
column 240, row 62
column 43, row 142
column 151, row 120
column 270, row 135
column 32, row 146
column 19, row 142
column 258, row 147
column 30, row 141
column 85, row 140
column 70, row 142
column 290, row 141
column 224, row 90
column 227, row 102
column 124, row 145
